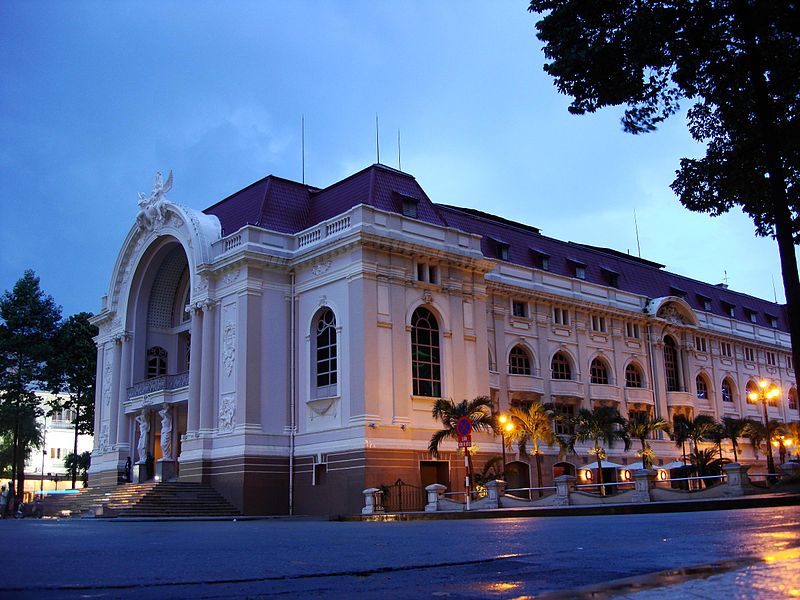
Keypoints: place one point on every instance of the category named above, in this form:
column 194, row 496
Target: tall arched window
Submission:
column 599, row 372
column 519, row 361
column 633, row 376
column 702, row 386
column 325, row 353
column 156, row 362
column 671, row 365
column 793, row 399
column 560, row 366
column 727, row 390
column 425, row 355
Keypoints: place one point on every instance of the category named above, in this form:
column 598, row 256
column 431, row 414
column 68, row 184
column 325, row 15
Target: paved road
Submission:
column 496, row 558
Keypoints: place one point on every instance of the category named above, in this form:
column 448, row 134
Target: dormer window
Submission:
column 773, row 320
column 752, row 315
column 409, row 206
column 501, row 250
column 704, row 301
column 580, row 268
column 729, row 309
column 611, row 277
column 541, row 259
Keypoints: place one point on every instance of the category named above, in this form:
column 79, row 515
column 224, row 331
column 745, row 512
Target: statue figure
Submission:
column 144, row 429
column 152, row 211
column 166, row 432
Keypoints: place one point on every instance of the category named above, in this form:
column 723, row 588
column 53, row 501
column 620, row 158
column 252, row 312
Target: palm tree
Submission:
column 680, row 433
column 700, row 427
column 642, row 427
column 532, row 425
column 478, row 411
column 733, row 429
column 706, row 463
column 605, row 424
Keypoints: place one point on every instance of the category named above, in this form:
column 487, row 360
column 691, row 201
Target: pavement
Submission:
column 745, row 553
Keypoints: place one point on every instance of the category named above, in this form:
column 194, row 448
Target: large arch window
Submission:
column 792, row 399
column 156, row 362
column 325, row 353
column 519, row 361
column 633, row 376
column 561, row 367
column 599, row 372
column 425, row 354
column 727, row 390
column 671, row 365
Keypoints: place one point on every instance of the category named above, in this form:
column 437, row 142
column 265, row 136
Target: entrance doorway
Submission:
column 434, row 471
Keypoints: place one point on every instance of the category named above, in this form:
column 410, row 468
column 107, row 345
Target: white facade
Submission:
column 279, row 366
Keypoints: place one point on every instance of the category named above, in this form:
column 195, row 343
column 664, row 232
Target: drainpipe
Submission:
column 292, row 415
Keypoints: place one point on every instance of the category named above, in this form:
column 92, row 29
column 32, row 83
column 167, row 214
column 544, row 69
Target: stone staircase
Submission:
column 163, row 499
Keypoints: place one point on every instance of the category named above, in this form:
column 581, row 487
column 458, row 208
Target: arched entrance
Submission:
column 518, row 475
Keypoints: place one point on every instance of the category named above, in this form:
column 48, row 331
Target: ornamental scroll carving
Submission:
column 321, row 268
column 229, row 347
column 102, row 445
column 227, row 413
column 107, row 381
column 671, row 314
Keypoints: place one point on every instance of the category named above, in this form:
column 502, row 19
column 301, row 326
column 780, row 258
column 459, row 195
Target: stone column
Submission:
column 737, row 479
column 99, row 388
column 435, row 493
column 123, row 439
column 565, row 485
column 195, row 353
column 644, row 480
column 116, row 401
column 207, row 369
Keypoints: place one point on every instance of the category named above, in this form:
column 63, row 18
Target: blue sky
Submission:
column 97, row 96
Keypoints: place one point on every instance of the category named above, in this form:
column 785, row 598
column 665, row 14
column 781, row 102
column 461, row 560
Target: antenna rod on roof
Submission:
column 636, row 224
column 399, row 168
column 377, row 140
column 774, row 293
column 303, row 145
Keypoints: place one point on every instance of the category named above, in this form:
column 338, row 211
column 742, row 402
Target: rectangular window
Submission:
column 700, row 344
column 771, row 359
column 632, row 330
column 773, row 321
column 427, row 273
column 598, row 324
column 52, row 452
column 580, row 271
column 725, row 349
column 501, row 249
column 729, row 309
column 789, row 362
column 564, row 413
column 519, row 308
column 410, row 208
column 753, row 317
column 544, row 263
column 560, row 316
column 749, row 354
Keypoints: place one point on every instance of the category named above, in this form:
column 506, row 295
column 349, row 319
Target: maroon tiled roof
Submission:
column 288, row 207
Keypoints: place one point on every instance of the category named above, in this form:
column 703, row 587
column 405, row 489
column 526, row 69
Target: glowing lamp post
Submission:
column 506, row 426
column 764, row 393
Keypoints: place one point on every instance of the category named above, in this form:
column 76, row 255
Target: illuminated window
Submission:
column 702, row 387
column 727, row 390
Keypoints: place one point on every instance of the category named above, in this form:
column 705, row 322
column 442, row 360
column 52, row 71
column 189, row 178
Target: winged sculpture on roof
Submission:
column 152, row 208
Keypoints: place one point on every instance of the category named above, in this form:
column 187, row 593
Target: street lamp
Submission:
column 764, row 393
column 506, row 426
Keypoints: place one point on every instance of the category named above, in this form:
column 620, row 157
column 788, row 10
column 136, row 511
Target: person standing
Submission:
column 3, row 501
